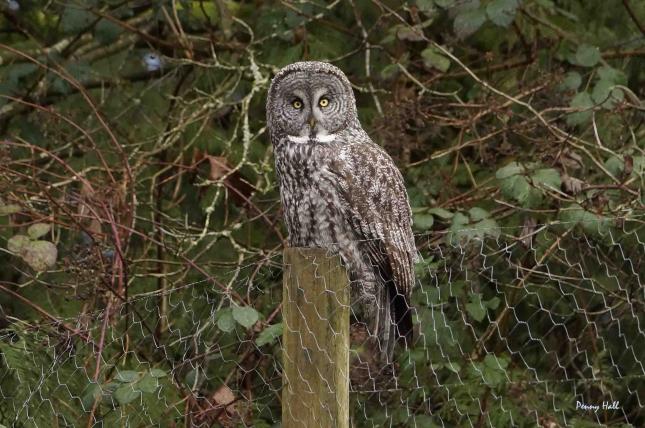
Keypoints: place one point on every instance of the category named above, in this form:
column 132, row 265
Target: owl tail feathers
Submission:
column 393, row 324
column 402, row 320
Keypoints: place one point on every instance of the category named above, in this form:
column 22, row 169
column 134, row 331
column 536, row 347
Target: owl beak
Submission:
column 312, row 122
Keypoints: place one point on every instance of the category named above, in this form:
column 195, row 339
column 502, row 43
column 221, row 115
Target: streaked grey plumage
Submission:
column 342, row 192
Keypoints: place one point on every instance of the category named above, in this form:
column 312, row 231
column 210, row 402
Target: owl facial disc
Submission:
column 310, row 102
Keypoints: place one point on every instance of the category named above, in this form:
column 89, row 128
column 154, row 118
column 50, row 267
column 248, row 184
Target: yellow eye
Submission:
column 324, row 102
column 297, row 104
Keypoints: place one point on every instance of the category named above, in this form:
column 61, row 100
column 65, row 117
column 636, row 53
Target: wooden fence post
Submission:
column 315, row 310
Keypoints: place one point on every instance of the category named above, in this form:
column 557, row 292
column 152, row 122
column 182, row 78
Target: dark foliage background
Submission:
column 140, row 231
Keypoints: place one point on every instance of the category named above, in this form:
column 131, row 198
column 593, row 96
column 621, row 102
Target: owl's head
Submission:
column 310, row 99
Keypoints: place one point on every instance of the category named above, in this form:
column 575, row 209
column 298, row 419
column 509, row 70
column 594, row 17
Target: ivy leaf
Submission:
column 245, row 316
column 37, row 230
column 432, row 58
column 468, row 22
column 125, row 394
column 269, row 334
column 583, row 102
column 225, row 321
column 502, row 12
column 586, row 55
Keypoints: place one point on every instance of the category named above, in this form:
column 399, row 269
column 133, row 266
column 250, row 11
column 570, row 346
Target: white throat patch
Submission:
column 327, row 138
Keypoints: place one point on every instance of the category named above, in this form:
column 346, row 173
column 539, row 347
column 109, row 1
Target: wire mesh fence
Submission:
column 508, row 332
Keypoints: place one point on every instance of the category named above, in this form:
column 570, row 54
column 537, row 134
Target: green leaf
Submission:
column 493, row 370
column 412, row 34
column 75, row 19
column 605, row 94
column 194, row 378
column 390, row 71
column 475, row 308
column 468, row 22
column 433, row 58
column 445, row 3
column 594, row 224
column 17, row 243
column 147, row 384
column 440, row 212
column 37, row 230
column 40, row 255
column 107, row 31
column 125, row 394
column 425, row 5
column 158, row 373
column 502, row 12
column 245, row 315
column 225, row 321
column 486, row 227
column 587, row 55
column 572, row 81
column 20, row 70
column 269, row 334
column 615, row 165
column 476, row 213
column 509, row 170
column 9, row 209
column 583, row 102
column 423, row 221
column 493, row 303
column 125, row 376
column 516, row 187
column 547, row 177
column 457, row 231
column 612, row 75
column 90, row 395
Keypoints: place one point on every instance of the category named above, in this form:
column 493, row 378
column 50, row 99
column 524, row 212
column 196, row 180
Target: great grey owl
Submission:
column 342, row 192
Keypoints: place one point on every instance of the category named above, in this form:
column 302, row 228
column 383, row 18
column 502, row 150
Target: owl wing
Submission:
column 377, row 207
